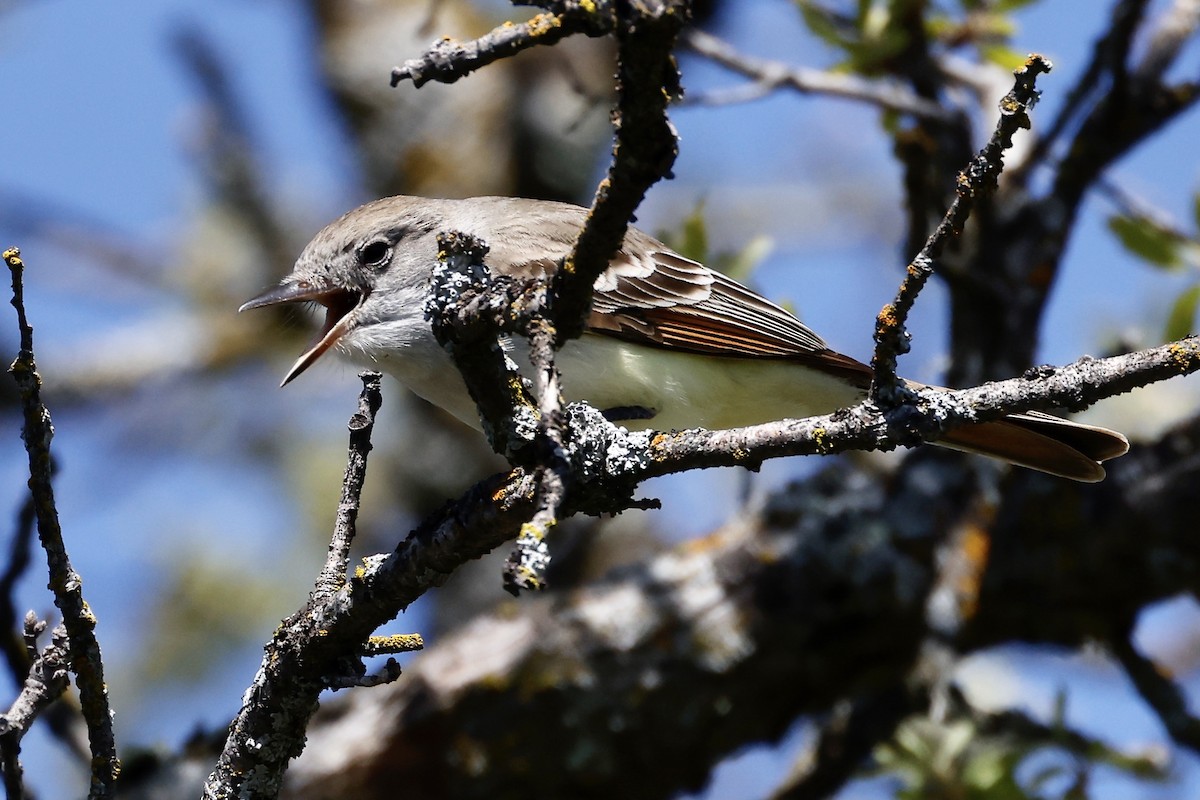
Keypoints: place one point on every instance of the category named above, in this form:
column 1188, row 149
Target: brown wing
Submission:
column 666, row 300
column 655, row 297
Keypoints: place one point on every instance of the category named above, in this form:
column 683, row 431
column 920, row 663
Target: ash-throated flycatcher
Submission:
column 669, row 342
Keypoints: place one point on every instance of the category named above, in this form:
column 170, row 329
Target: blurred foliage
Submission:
column 1163, row 245
column 207, row 610
column 876, row 32
column 971, row 757
column 690, row 239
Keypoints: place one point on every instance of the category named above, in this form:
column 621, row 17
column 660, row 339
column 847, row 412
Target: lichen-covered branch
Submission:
column 469, row 310
column 526, row 566
column 605, row 470
column 678, row 635
column 866, row 427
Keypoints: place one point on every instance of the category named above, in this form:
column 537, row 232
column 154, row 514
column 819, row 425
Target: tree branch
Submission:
column 645, row 150
column 65, row 583
column 1161, row 693
column 891, row 337
column 305, row 656
column 769, row 76
column 866, row 427
column 447, row 60
column 811, row 565
column 362, row 424
column 670, row 663
column 47, row 679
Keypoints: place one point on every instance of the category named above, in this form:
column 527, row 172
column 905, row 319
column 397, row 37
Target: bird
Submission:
column 668, row 343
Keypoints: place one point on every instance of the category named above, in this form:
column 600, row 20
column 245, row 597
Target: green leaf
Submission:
column 1002, row 56
column 1145, row 238
column 695, row 235
column 823, row 24
column 741, row 263
column 690, row 240
column 1181, row 319
column 1013, row 5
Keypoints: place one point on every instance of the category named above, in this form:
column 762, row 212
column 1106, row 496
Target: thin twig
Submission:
column 448, row 60
column 302, row 659
column 769, row 76
column 644, row 152
column 62, row 719
column 65, row 583
column 362, row 423
column 48, row 678
column 891, row 337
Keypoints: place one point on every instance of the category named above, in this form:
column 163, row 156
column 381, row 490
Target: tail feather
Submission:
column 1042, row 442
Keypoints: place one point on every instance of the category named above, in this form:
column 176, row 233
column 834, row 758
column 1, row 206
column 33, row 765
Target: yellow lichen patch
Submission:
column 12, row 257
column 516, row 388
column 543, row 24
column 820, row 437
column 887, row 316
column 588, row 5
column 397, row 642
column 500, row 494
column 1184, row 354
column 533, row 531
column 1009, row 104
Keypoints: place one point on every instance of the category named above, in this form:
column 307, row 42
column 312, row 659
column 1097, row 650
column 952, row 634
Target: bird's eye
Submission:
column 375, row 254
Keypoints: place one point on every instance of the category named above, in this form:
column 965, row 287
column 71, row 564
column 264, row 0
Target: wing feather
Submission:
column 667, row 300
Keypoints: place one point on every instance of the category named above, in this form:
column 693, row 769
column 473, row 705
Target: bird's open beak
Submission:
column 339, row 304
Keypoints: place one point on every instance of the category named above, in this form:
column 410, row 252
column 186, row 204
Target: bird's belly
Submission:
column 679, row 390
column 684, row 390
